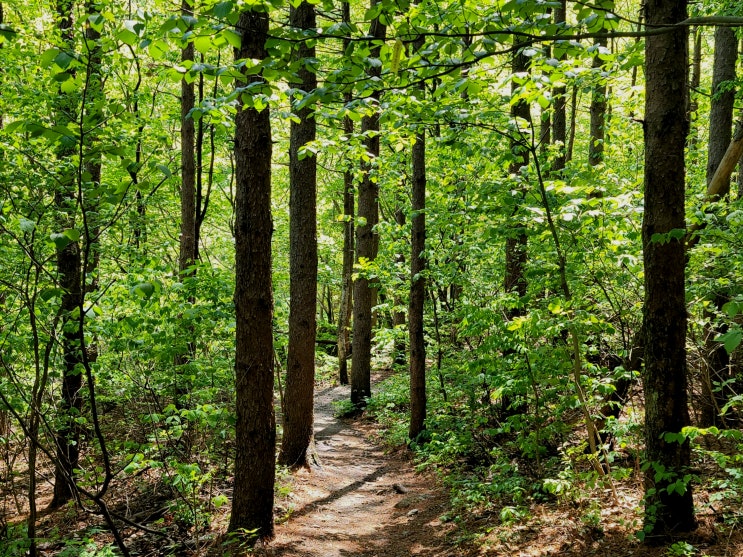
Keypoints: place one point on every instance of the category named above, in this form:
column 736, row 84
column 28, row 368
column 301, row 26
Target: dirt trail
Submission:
column 359, row 502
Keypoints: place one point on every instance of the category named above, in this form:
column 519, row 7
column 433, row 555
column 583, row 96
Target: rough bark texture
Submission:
column 300, row 369
column 720, row 136
column 188, row 166
column 344, row 312
column 559, row 118
column 69, row 268
column 598, row 113
column 68, row 434
column 665, row 377
column 187, row 253
column 417, row 290
column 367, row 244
column 696, row 78
column 255, row 431
column 516, row 242
column 723, row 97
column 398, row 314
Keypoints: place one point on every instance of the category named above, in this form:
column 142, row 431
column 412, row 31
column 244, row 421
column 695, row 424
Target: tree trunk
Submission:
column 398, row 313
column 367, row 242
column 344, row 312
column 669, row 506
column 559, row 118
column 187, row 253
column 416, row 303
column 300, row 369
column 696, row 78
column 69, row 267
column 720, row 135
column 255, row 430
column 515, row 278
column 723, row 98
column 598, row 111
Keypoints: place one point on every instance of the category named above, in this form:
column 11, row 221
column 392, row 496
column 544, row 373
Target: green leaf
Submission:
column 65, row 238
column 202, row 43
column 143, row 290
column 61, row 241
column 48, row 56
column 96, row 21
column 222, row 9
column 27, row 225
column 731, row 339
column 158, row 49
column 72, row 234
column 731, row 309
column 127, row 37
column 49, row 293
column 63, row 60
column 68, row 86
column 233, row 38
column 165, row 170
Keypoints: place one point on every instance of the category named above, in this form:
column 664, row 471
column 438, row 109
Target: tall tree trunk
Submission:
column 255, row 429
column 696, row 78
column 4, row 414
column 573, row 119
column 598, row 111
column 367, row 241
column 559, row 118
column 723, row 98
column 514, row 279
column 398, row 314
column 344, row 312
column 416, row 303
column 417, row 289
column 720, row 136
column 668, row 506
column 187, row 253
column 69, row 267
column 300, row 369
column 516, row 242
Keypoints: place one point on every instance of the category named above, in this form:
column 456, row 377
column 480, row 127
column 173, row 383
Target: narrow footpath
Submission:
column 358, row 501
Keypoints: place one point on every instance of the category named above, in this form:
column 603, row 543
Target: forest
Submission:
column 502, row 236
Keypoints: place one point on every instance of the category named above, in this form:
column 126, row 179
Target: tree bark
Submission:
column 559, row 117
column 69, row 268
column 667, row 510
column 598, row 111
column 187, row 252
column 723, row 98
column 367, row 242
column 255, row 431
column 300, row 369
column 398, row 313
column 514, row 279
column 696, row 78
column 720, row 135
column 416, row 303
column 344, row 312
column 516, row 243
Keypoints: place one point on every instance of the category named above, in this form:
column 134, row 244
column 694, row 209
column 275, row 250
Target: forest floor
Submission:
column 362, row 498
column 358, row 500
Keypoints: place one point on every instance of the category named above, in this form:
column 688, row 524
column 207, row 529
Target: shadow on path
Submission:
column 359, row 501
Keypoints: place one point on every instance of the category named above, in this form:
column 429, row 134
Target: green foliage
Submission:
column 681, row 549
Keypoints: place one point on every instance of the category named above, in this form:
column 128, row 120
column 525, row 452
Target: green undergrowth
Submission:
column 499, row 470
column 498, row 467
